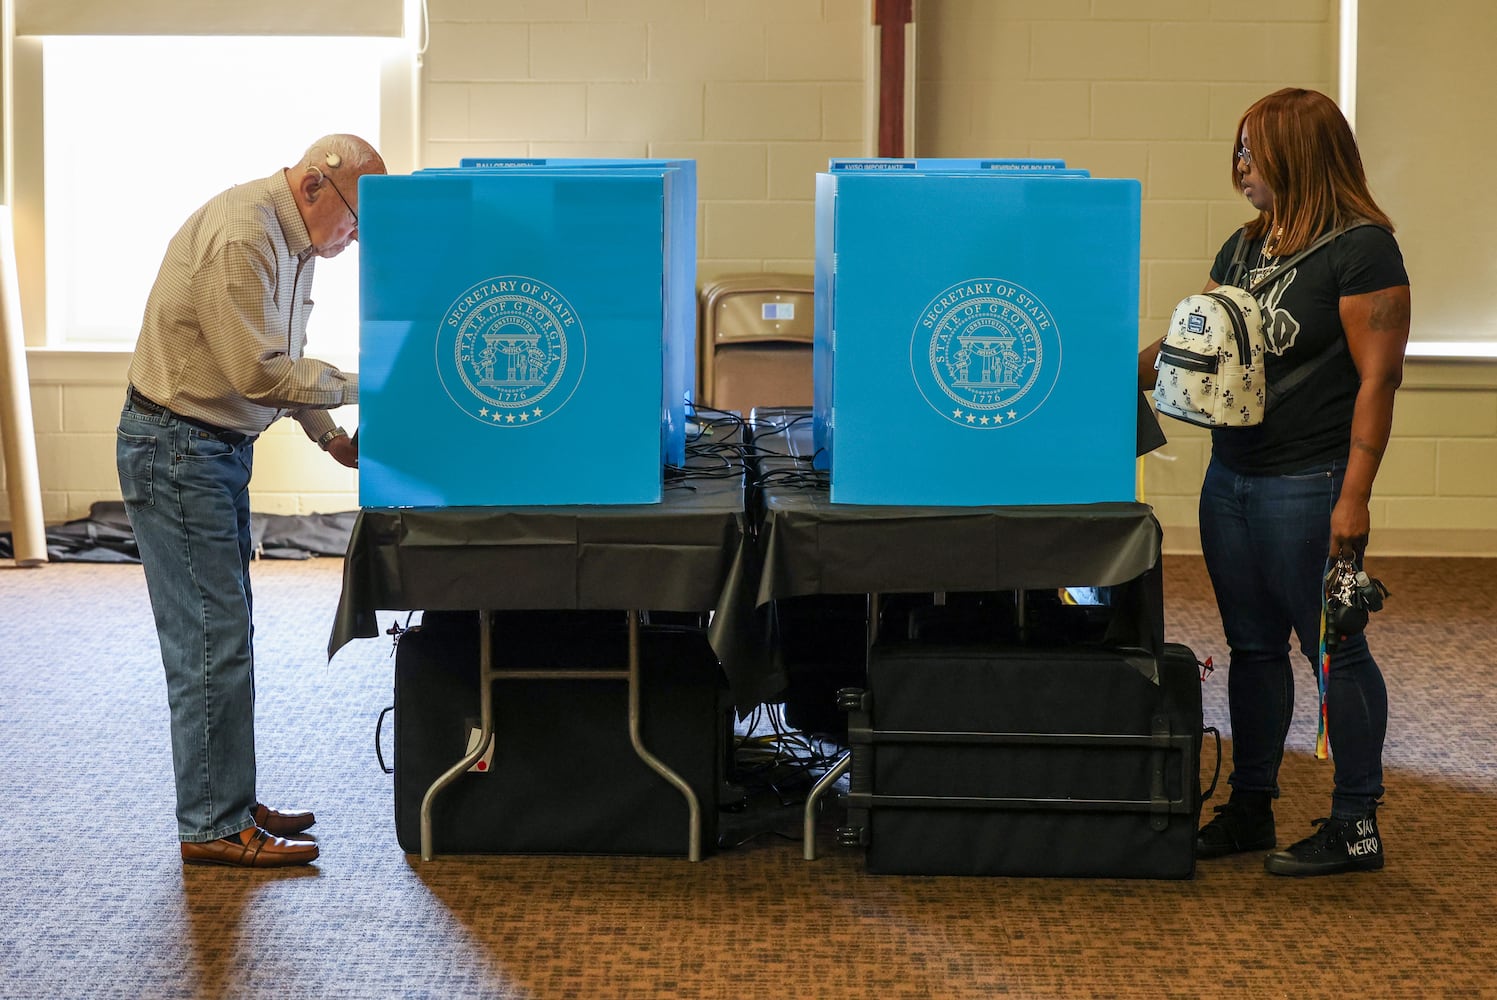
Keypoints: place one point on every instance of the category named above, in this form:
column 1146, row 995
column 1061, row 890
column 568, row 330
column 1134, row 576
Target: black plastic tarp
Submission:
column 105, row 536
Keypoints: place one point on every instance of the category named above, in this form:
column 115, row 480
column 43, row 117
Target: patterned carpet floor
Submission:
column 94, row 901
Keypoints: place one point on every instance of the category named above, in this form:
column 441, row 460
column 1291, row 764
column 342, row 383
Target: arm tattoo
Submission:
column 1373, row 450
column 1389, row 312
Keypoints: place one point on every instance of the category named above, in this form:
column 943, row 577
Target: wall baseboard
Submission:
column 1430, row 543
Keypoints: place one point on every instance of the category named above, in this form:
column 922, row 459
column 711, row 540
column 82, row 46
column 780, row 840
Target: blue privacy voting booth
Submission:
column 976, row 336
column 511, row 339
column 681, row 316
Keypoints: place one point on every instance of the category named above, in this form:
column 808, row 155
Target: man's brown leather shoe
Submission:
column 252, row 848
column 282, row 822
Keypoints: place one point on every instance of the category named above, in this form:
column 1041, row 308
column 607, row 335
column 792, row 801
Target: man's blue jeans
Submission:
column 1265, row 539
column 187, row 496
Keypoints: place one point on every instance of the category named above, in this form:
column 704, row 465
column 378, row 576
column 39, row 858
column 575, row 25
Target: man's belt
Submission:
column 145, row 405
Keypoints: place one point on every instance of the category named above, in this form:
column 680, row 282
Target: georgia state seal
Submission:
column 510, row 351
column 985, row 353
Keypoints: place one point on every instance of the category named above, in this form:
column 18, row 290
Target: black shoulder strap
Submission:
column 1237, row 269
column 1284, row 268
column 1297, row 377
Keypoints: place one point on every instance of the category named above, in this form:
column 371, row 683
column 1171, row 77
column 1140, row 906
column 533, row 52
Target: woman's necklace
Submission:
column 1268, row 257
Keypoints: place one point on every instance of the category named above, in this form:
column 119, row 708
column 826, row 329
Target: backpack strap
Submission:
column 1297, row 377
column 1285, row 267
column 1237, row 269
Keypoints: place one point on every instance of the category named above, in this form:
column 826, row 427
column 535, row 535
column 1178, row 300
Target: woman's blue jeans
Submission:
column 1265, row 539
column 187, row 495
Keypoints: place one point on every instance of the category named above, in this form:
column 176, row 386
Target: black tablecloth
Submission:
column 813, row 546
column 701, row 550
column 671, row 556
column 808, row 545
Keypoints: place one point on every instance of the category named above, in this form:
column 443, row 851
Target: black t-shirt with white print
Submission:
column 1311, row 425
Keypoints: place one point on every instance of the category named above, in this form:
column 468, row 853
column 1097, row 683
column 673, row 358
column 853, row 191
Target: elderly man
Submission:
column 219, row 359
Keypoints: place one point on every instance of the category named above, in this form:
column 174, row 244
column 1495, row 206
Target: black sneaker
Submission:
column 1241, row 824
column 1339, row 845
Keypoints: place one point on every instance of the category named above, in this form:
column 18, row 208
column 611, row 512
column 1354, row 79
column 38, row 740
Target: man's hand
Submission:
column 344, row 450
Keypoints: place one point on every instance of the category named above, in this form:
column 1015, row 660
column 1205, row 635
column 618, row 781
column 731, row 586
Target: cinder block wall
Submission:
column 761, row 93
column 1153, row 89
column 75, row 405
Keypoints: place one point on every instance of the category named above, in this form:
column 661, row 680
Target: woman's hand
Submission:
column 1351, row 522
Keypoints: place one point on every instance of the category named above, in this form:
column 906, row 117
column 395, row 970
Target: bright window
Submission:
column 140, row 131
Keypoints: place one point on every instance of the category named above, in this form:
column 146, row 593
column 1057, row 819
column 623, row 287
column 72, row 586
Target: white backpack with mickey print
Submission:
column 1211, row 363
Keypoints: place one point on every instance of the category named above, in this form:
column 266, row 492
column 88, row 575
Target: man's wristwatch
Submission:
column 328, row 436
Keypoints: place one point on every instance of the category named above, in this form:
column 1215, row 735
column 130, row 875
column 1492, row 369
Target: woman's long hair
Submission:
column 1305, row 152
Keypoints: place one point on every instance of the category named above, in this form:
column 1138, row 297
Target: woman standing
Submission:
column 1284, row 499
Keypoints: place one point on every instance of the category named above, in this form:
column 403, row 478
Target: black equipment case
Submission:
column 564, row 777
column 991, row 760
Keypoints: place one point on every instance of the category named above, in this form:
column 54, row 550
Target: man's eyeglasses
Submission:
column 345, row 200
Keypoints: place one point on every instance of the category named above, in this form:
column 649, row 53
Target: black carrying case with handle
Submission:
column 1054, row 761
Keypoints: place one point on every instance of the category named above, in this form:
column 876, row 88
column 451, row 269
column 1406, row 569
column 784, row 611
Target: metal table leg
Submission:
column 825, row 782
column 487, row 675
column 485, row 729
column 844, row 762
column 693, row 809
